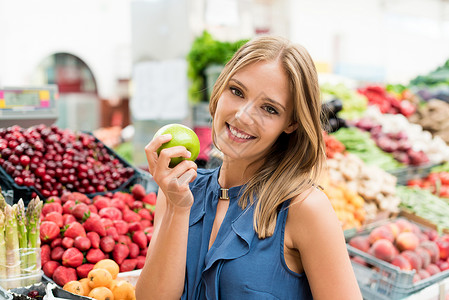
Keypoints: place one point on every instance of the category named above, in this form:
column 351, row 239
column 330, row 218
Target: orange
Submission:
column 74, row 286
column 99, row 277
column 109, row 265
column 86, row 287
column 123, row 290
column 101, row 293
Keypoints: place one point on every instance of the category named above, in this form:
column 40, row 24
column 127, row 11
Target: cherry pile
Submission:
column 54, row 160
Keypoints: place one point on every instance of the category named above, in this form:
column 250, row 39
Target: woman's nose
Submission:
column 245, row 114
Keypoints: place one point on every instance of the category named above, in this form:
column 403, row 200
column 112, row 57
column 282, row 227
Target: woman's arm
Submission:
column 164, row 272
column 316, row 233
column 163, row 275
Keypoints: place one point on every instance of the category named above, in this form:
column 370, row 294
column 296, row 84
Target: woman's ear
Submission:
column 292, row 127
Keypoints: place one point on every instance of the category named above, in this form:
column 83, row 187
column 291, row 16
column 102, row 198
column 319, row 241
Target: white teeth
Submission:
column 238, row 134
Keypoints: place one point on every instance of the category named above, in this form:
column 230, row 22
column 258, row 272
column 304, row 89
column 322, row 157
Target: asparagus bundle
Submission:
column 19, row 241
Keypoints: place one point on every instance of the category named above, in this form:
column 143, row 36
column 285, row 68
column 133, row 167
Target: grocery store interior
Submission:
column 83, row 82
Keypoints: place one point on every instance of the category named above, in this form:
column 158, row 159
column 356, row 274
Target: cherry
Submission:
column 24, row 160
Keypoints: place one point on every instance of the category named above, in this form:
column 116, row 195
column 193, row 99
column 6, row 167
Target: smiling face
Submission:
column 253, row 110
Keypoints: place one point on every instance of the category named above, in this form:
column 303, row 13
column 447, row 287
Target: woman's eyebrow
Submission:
column 239, row 83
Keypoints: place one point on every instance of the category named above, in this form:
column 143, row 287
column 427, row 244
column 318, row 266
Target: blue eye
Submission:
column 236, row 92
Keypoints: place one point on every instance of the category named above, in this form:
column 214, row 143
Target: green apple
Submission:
column 181, row 136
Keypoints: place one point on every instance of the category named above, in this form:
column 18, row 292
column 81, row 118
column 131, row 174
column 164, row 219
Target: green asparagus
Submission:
column 3, row 274
column 12, row 243
column 33, row 213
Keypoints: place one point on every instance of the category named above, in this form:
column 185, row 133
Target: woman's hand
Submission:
column 174, row 182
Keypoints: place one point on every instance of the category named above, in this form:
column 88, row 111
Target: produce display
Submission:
column 354, row 104
column 433, row 117
column 436, row 182
column 374, row 185
column 77, row 232
column 53, row 161
column 19, row 243
column 360, row 143
column 424, row 204
column 333, row 146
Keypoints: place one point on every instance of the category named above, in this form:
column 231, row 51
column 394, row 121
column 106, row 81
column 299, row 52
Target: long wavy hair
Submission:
column 295, row 160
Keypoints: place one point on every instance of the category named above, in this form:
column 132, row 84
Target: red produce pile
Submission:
column 77, row 232
column 387, row 103
column 54, row 160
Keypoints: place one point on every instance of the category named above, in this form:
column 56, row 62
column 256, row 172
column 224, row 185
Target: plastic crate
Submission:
column 16, row 192
column 382, row 280
column 411, row 172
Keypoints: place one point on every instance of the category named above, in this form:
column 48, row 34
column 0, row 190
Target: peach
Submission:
column 407, row 241
column 394, row 229
column 416, row 278
column 432, row 234
column 423, row 274
column 425, row 256
column 433, row 269
column 382, row 232
column 401, row 262
column 433, row 250
column 383, row 249
column 443, row 265
column 414, row 259
column 360, row 242
column 404, row 225
column 416, row 229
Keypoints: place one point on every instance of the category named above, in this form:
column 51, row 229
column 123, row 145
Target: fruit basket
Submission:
column 45, row 161
column 379, row 274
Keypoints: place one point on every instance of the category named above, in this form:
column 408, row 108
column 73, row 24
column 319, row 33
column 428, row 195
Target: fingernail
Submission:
column 189, row 154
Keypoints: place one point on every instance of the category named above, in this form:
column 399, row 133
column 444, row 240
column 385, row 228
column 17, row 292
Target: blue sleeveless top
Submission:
column 238, row 265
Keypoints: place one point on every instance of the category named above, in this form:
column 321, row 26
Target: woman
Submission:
column 272, row 234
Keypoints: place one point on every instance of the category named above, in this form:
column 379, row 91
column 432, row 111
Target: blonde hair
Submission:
column 296, row 159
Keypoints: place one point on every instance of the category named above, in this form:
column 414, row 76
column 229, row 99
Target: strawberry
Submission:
column 56, row 253
column 56, row 242
column 140, row 239
column 145, row 214
column 128, row 265
column 145, row 223
column 68, row 218
column 138, row 191
column 93, row 208
column 67, row 242
column 53, row 199
column 140, row 261
column 143, row 252
column 62, row 275
column 124, row 239
column 94, row 255
column 121, row 226
column 50, row 267
column 48, row 231
column 94, row 239
column 134, row 226
column 150, row 198
column 112, row 213
column 137, row 205
column 101, row 202
column 80, row 210
column 131, row 216
column 82, row 243
column 107, row 222
column 112, row 232
column 83, row 270
column 56, row 217
column 120, row 252
column 94, row 224
column 72, row 257
column 68, row 206
column 133, row 250
column 74, row 229
column 118, row 203
column 45, row 254
column 107, row 244
column 80, row 197
column 127, row 198
column 49, row 207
